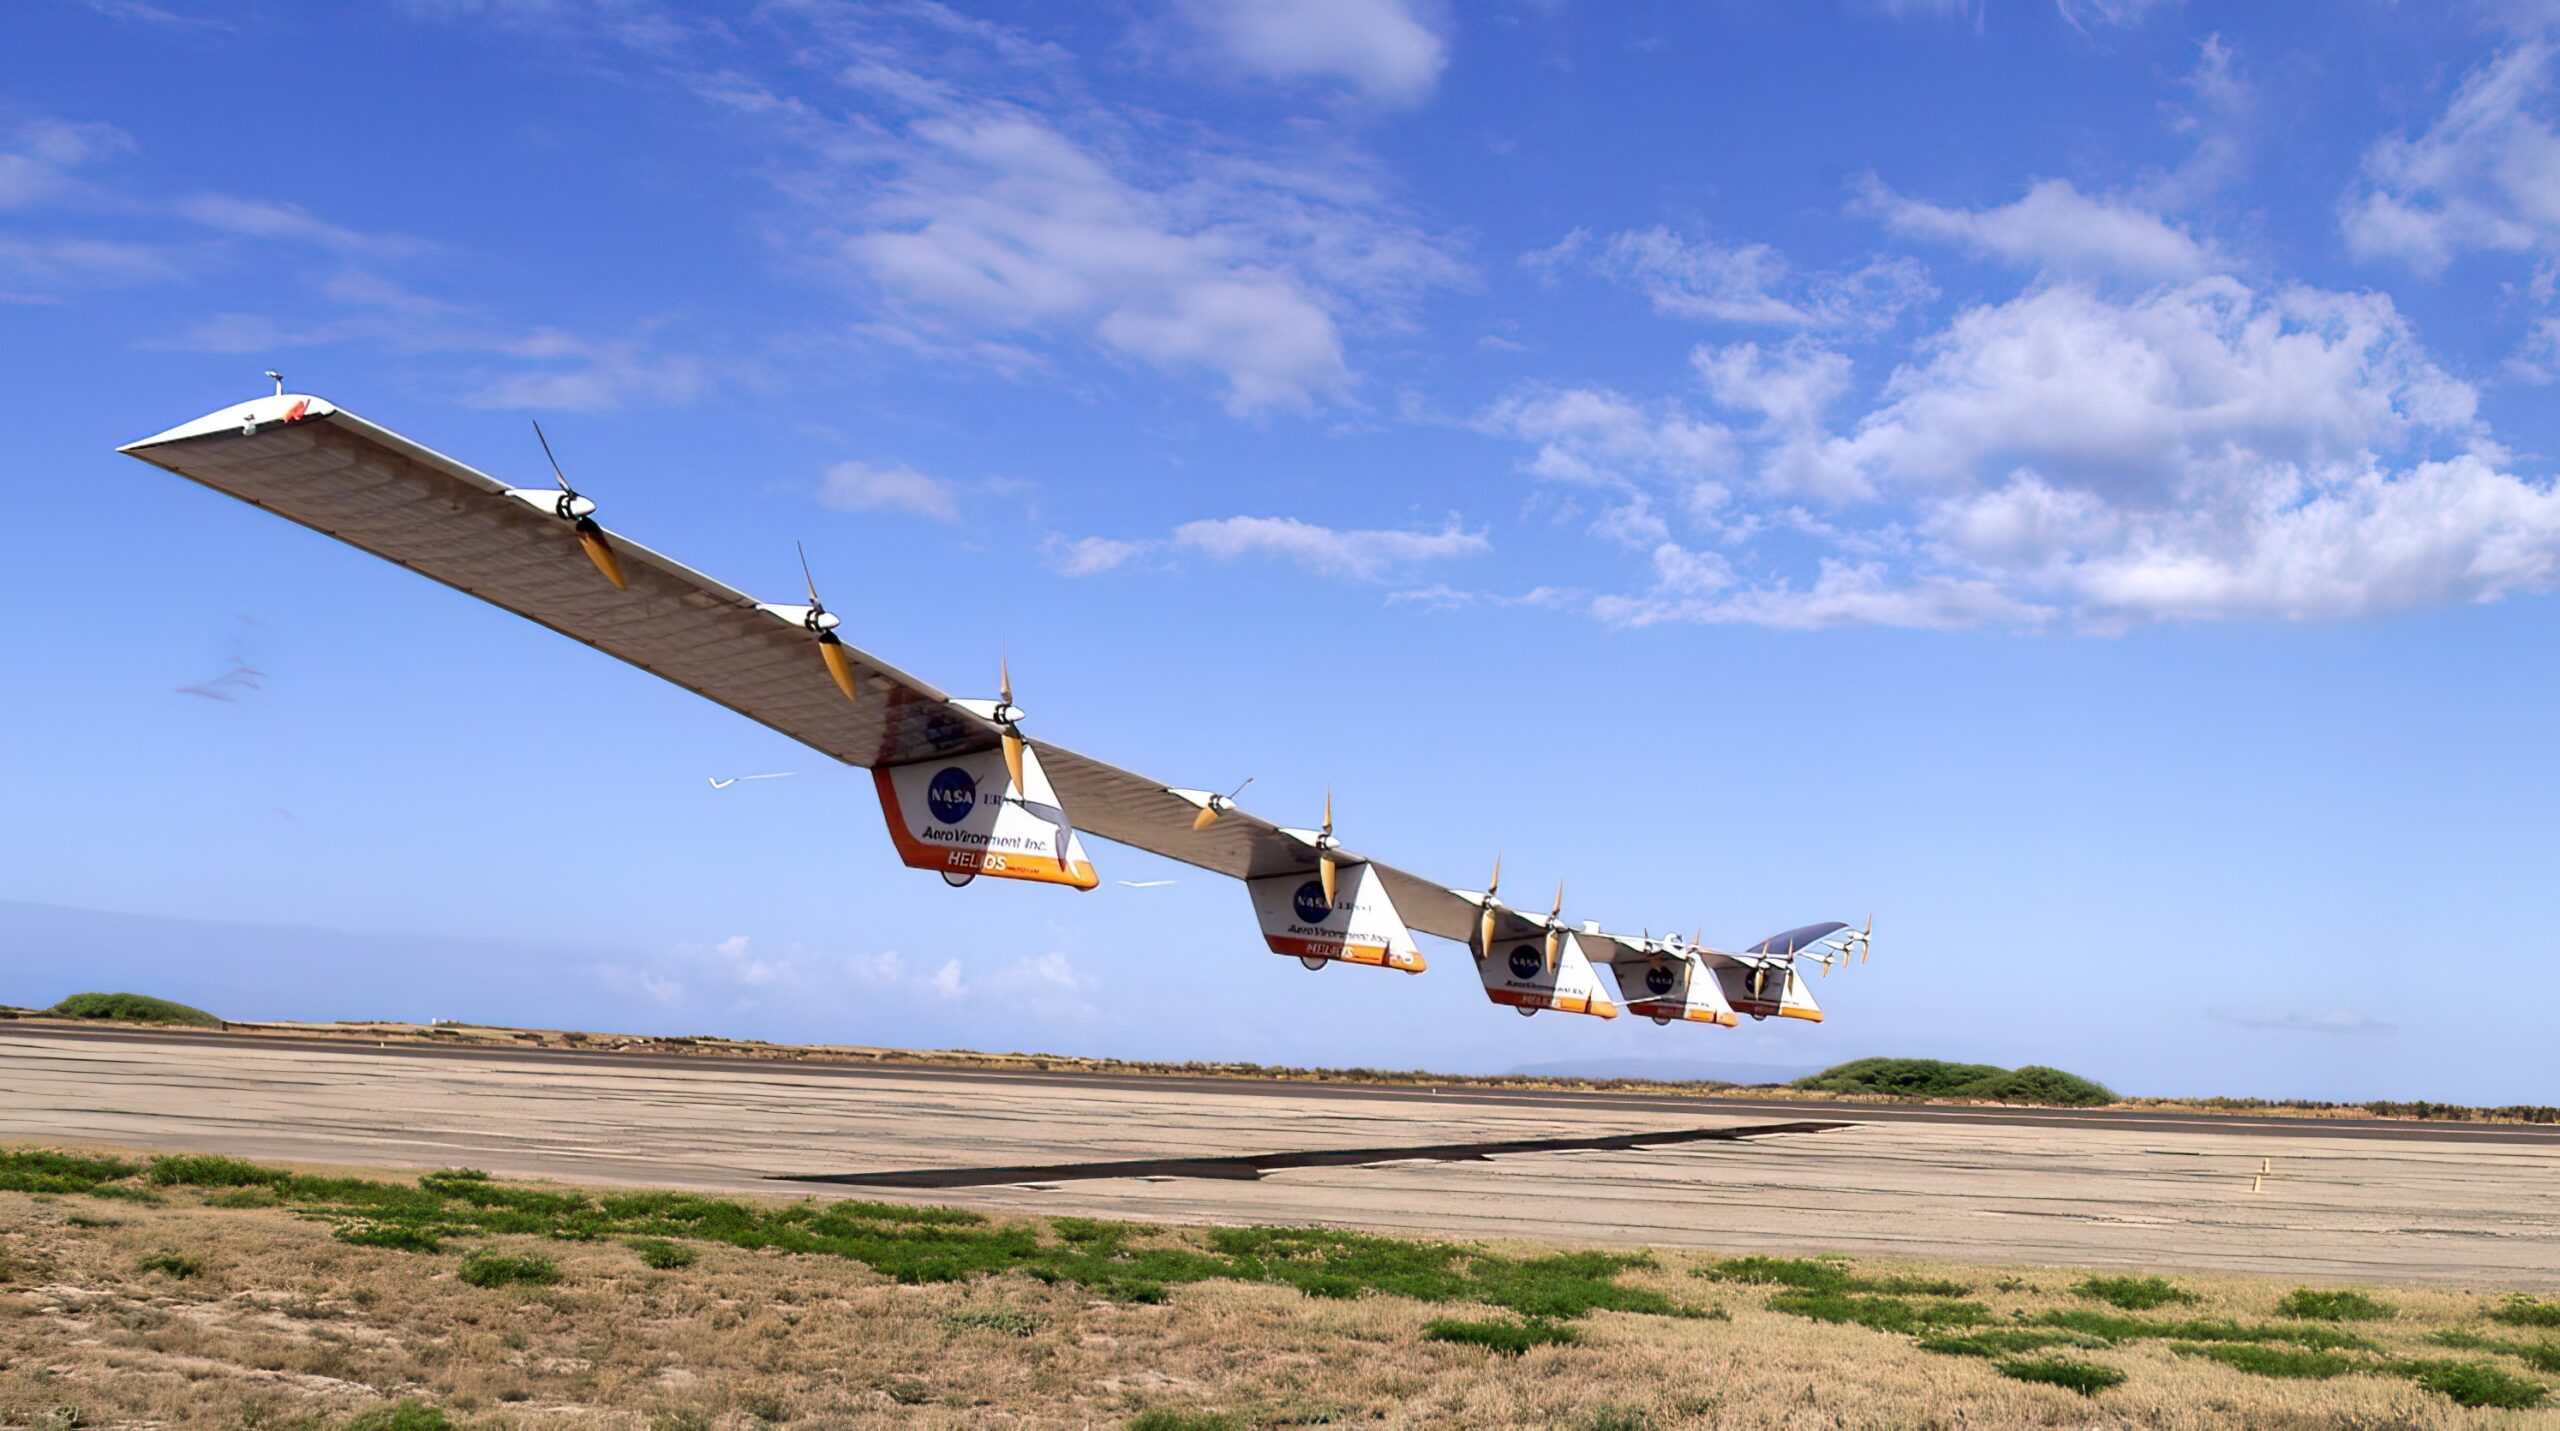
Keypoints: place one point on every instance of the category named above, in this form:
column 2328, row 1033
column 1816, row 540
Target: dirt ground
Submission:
column 2327, row 1208
column 270, row 1321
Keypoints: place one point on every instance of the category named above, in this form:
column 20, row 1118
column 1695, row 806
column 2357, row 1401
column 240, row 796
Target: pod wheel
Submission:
column 1525, row 1010
column 1312, row 963
column 1662, row 1018
column 959, row 879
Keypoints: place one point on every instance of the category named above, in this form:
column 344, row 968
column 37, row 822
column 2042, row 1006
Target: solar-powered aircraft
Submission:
column 967, row 788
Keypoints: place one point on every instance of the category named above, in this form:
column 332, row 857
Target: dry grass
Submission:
column 281, row 1323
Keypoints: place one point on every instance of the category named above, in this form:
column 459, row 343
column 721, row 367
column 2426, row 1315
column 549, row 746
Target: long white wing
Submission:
column 311, row 462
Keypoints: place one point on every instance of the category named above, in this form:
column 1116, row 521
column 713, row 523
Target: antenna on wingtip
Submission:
column 279, row 381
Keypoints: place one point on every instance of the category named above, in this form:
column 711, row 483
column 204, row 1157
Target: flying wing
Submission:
column 966, row 789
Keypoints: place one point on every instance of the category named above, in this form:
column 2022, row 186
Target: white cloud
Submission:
column 1749, row 284
column 267, row 219
column 1354, row 555
column 2485, row 176
column 1350, row 554
column 1245, row 270
column 2116, row 14
column 1380, row 47
column 35, row 167
column 562, row 372
column 2070, row 458
column 862, row 487
column 2056, row 227
column 1091, row 556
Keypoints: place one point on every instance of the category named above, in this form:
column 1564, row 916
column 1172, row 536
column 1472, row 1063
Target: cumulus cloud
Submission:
column 2085, row 460
column 1001, row 220
column 1349, row 554
column 1381, row 48
column 2484, row 176
column 863, row 487
column 2055, row 227
column 1749, row 284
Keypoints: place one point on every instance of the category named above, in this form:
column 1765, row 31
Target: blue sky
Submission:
column 2074, row 479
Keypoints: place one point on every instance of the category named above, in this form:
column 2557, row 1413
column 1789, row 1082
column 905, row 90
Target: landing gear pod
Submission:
column 1780, row 992
column 1359, row 925
column 1672, row 988
column 960, row 816
column 1516, row 973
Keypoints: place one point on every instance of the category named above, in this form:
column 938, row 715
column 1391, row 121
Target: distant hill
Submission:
column 1666, row 1070
column 1937, row 1078
column 132, row 1009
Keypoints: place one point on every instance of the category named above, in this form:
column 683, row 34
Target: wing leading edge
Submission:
column 316, row 464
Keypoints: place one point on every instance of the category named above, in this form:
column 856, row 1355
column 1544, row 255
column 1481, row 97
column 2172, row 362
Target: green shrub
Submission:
column 1936, row 1078
column 1884, row 1314
column 132, row 1009
column 663, row 1255
column 1510, row 1338
column 398, row 1236
column 401, row 1416
column 2472, row 1383
column 2318, row 1306
column 490, row 1269
column 2134, row 1294
column 1183, row 1421
column 1825, row 1274
column 2523, row 1311
column 1619, row 1418
column 2002, row 1342
column 212, row 1171
column 1004, row 1320
column 2264, row 1360
column 177, row 1264
column 2086, row 1377
column 34, row 1170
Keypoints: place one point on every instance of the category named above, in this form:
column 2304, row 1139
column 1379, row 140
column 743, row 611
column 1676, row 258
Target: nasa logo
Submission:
column 1310, row 903
column 1527, row 962
column 1658, row 978
column 952, row 795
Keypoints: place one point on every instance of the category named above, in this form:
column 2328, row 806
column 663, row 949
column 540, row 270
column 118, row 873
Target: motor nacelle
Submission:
column 1358, row 925
column 961, row 816
column 1516, row 973
column 1672, row 986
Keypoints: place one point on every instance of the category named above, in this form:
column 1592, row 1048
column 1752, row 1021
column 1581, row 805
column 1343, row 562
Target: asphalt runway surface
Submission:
column 2313, row 1199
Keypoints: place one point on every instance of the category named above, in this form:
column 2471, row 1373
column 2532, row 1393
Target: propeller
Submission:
column 1555, row 928
column 1861, row 940
column 1326, row 844
column 830, row 646
column 1215, row 806
column 1009, row 719
column 578, row 509
column 1484, row 921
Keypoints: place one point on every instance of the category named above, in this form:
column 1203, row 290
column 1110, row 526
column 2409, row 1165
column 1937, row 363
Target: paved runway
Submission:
column 2392, row 1202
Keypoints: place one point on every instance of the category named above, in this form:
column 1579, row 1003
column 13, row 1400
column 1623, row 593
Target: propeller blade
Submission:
column 1328, row 809
column 805, row 577
column 1004, row 679
column 1325, row 872
column 1013, row 759
column 1484, row 931
column 839, row 664
column 591, row 538
column 1494, row 883
column 1555, row 945
column 556, row 474
column 1208, row 816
